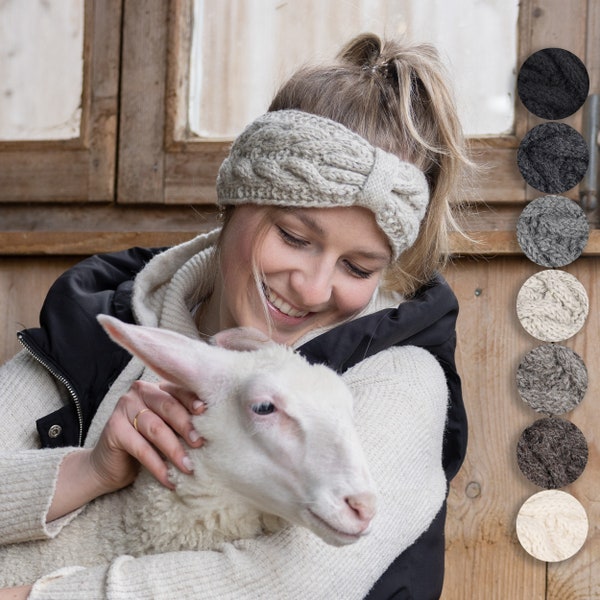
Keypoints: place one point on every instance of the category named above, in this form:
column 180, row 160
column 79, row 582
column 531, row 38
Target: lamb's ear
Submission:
column 172, row 356
column 241, row 338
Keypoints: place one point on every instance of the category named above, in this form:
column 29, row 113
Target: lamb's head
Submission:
column 279, row 431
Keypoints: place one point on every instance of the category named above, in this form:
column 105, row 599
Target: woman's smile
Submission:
column 281, row 306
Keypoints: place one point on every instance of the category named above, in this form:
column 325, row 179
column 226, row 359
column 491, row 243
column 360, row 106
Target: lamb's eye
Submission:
column 264, row 408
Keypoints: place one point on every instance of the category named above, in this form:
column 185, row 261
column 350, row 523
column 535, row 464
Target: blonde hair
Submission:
column 396, row 96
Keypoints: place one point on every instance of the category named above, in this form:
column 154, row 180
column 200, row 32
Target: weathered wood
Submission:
column 142, row 115
column 23, row 286
column 484, row 558
column 82, row 169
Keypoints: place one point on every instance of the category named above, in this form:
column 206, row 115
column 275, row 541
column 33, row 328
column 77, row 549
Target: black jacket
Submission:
column 72, row 345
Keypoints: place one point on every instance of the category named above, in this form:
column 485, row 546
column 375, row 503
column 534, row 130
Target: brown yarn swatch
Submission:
column 552, row 453
column 552, row 379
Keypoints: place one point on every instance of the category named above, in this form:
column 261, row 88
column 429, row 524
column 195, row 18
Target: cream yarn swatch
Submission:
column 552, row 306
column 552, row 525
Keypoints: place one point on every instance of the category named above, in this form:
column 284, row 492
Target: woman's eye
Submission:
column 290, row 239
column 356, row 271
column 264, row 408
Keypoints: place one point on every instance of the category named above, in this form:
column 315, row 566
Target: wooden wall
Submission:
column 484, row 559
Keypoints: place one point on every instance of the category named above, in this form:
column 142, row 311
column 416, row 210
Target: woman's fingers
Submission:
column 173, row 405
column 156, row 438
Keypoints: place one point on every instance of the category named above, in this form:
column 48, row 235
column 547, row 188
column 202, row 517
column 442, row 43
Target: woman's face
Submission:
column 318, row 266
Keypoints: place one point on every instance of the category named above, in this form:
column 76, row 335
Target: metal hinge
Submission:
column 588, row 188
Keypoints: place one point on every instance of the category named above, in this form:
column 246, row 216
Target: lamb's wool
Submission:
column 552, row 379
column 272, row 566
column 552, row 231
column 295, row 159
column 552, row 452
column 553, row 157
column 552, row 305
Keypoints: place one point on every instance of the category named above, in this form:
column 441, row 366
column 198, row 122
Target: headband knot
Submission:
column 296, row 159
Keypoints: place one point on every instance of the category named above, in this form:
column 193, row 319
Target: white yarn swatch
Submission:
column 552, row 305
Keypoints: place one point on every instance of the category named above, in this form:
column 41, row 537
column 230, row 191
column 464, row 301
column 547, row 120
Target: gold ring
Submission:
column 136, row 418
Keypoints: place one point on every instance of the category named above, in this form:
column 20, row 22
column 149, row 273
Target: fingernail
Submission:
column 198, row 406
column 187, row 463
column 194, row 436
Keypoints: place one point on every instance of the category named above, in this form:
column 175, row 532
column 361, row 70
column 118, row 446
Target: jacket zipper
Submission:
column 54, row 372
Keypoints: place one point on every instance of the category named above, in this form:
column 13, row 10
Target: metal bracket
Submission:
column 588, row 188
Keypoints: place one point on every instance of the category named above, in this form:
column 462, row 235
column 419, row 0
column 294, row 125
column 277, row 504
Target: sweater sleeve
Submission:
column 400, row 407
column 28, row 474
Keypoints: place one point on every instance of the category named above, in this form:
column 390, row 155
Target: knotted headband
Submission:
column 296, row 159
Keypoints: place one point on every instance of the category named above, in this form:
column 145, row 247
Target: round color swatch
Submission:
column 552, row 453
column 552, row 231
column 552, row 525
column 552, row 305
column 553, row 157
column 552, row 379
column 553, row 83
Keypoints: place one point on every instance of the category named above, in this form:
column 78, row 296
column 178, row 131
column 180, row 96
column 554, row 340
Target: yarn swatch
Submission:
column 552, row 452
column 552, row 379
column 553, row 83
column 553, row 157
column 553, row 231
column 552, row 305
column 552, row 525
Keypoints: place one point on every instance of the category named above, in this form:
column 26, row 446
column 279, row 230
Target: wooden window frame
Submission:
column 165, row 182
column 81, row 169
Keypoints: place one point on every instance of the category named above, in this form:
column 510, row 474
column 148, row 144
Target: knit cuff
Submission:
column 25, row 505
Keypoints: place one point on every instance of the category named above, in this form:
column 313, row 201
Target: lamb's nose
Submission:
column 363, row 506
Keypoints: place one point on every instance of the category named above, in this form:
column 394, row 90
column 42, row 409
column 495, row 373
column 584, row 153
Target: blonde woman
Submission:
column 336, row 207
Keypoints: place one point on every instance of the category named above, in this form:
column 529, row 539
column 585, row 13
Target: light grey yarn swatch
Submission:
column 552, row 305
column 552, row 231
column 552, row 379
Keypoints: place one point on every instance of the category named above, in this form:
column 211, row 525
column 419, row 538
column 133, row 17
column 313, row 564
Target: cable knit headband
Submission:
column 296, row 159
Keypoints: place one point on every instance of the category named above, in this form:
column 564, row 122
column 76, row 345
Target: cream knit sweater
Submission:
column 400, row 405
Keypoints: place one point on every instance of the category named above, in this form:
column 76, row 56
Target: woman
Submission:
column 335, row 207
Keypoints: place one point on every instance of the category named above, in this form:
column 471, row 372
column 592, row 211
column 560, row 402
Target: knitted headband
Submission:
column 296, row 159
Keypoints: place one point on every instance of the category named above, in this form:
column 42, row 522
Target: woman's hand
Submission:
column 15, row 593
column 143, row 429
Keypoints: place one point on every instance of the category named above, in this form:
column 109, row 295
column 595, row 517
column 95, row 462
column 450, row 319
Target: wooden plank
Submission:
column 579, row 577
column 24, row 282
column 101, row 128
column 53, row 175
column 483, row 556
column 142, row 116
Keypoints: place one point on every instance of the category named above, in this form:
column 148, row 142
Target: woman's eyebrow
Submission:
column 313, row 224
column 309, row 222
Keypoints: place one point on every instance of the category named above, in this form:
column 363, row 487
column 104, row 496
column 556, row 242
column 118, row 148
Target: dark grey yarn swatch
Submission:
column 553, row 83
column 553, row 157
column 552, row 379
column 552, row 453
column 553, row 231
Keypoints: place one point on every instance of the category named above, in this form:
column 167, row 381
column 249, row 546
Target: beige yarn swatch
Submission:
column 552, row 525
column 552, row 305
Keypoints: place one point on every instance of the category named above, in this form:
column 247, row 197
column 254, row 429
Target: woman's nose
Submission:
column 313, row 285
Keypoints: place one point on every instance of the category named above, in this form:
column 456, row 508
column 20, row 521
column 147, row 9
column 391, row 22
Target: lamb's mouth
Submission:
column 343, row 535
column 281, row 305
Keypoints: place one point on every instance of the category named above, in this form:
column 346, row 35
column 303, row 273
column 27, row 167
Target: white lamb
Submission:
column 280, row 448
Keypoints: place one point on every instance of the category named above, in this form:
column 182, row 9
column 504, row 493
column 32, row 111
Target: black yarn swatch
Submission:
column 553, row 157
column 552, row 453
column 552, row 231
column 553, row 83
